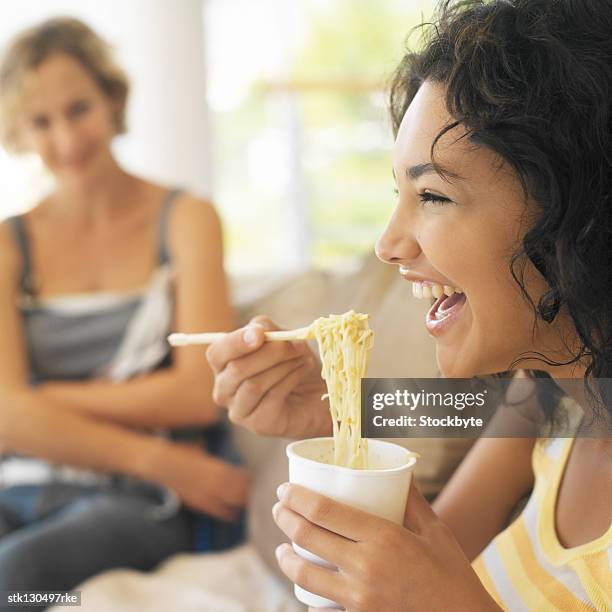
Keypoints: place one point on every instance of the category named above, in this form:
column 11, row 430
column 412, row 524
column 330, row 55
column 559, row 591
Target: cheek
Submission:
column 450, row 250
column 478, row 261
column 97, row 126
column 501, row 321
column 41, row 144
column 494, row 296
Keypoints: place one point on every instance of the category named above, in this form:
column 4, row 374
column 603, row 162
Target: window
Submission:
column 287, row 128
column 302, row 168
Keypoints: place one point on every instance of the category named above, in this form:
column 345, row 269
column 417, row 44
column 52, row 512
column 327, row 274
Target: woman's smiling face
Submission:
column 68, row 120
column 465, row 238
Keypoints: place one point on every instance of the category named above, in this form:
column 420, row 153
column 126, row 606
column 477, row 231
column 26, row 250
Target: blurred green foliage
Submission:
column 345, row 138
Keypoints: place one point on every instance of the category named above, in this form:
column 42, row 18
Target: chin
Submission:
column 451, row 366
column 80, row 179
column 453, row 363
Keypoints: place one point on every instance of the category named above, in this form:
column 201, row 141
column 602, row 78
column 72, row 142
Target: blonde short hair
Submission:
column 33, row 46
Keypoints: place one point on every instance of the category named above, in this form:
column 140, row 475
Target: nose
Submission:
column 65, row 139
column 398, row 243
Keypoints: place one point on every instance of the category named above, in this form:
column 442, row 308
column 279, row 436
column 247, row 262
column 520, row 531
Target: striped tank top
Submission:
column 527, row 568
column 82, row 336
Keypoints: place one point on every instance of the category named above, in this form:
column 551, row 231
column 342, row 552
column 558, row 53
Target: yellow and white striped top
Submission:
column 526, row 568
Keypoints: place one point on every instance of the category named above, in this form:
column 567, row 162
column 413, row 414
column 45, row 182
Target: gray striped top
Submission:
column 73, row 338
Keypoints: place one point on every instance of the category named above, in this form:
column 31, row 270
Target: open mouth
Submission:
column 444, row 311
column 448, row 304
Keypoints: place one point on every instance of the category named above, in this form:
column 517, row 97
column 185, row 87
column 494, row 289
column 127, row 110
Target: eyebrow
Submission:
column 414, row 172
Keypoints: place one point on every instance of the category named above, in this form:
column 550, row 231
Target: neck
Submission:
column 569, row 378
column 98, row 199
column 573, row 383
column 561, row 347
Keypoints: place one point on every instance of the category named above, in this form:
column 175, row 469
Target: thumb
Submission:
column 265, row 322
column 234, row 345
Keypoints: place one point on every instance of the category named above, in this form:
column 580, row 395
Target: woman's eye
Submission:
column 79, row 108
column 396, row 191
column 432, row 198
column 40, row 122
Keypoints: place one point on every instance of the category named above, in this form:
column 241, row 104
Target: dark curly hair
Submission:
column 532, row 81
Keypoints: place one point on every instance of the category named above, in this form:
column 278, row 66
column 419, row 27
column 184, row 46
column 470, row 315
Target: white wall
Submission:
column 160, row 45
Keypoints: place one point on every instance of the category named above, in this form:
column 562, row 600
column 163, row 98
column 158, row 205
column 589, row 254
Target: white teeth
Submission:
column 422, row 290
column 403, row 270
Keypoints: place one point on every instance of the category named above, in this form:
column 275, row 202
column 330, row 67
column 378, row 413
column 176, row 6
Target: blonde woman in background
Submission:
column 91, row 280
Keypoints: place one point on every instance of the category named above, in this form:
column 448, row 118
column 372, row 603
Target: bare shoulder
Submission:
column 192, row 210
column 194, row 221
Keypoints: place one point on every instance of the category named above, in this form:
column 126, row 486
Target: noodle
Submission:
column 344, row 344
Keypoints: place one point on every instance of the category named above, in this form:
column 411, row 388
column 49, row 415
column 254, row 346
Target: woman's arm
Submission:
column 32, row 427
column 479, row 498
column 182, row 394
column 38, row 428
column 495, row 475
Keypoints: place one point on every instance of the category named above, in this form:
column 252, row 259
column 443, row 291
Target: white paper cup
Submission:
column 382, row 489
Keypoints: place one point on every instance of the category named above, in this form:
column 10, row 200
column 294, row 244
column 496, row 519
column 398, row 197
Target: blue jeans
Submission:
column 54, row 536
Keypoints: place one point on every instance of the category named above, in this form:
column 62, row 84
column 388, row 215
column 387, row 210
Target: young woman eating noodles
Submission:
column 502, row 162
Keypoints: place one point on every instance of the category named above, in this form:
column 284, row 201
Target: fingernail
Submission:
column 249, row 336
column 282, row 490
column 275, row 509
column 278, row 552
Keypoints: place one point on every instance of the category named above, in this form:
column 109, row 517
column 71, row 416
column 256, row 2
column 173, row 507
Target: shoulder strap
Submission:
column 164, row 218
column 21, row 239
